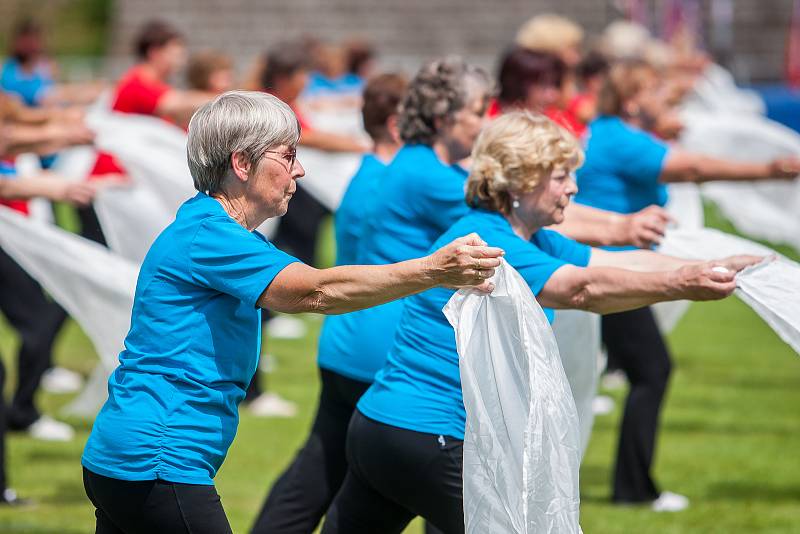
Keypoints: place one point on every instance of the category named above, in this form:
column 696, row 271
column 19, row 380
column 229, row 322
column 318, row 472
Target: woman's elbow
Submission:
column 580, row 298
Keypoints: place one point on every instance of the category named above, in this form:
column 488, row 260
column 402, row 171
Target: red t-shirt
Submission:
column 567, row 120
column 135, row 93
column 494, row 110
column 564, row 118
column 7, row 169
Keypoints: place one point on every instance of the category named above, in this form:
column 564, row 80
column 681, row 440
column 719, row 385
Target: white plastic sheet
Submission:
column 580, row 346
column 771, row 289
column 153, row 154
column 686, row 209
column 94, row 285
column 764, row 210
column 716, row 90
column 522, row 444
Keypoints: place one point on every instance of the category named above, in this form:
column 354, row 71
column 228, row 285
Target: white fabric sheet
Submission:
column 94, row 285
column 771, row 289
column 522, row 444
column 716, row 90
column 579, row 344
column 153, row 154
column 686, row 208
column 763, row 210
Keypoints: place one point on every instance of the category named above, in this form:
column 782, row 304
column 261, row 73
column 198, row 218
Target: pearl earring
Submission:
column 515, row 203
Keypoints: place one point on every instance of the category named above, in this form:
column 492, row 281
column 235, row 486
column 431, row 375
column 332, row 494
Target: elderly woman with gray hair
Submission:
column 193, row 345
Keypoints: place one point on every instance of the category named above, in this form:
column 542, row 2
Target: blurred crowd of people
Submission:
column 618, row 93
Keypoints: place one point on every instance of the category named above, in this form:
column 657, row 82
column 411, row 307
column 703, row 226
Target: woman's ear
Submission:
column 241, row 165
column 393, row 129
column 631, row 109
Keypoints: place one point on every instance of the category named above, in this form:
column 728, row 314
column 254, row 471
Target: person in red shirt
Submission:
column 145, row 90
column 532, row 81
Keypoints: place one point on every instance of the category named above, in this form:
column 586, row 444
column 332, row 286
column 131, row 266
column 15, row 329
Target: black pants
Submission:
column 639, row 349
column 90, row 225
column 299, row 228
column 395, row 475
column 37, row 320
column 302, row 494
column 154, row 506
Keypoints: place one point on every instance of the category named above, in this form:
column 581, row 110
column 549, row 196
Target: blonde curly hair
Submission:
column 513, row 154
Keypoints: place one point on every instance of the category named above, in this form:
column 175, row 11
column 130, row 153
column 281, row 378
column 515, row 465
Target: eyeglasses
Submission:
column 289, row 156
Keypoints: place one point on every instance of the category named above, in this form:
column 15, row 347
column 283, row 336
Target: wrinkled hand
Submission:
column 787, row 168
column 72, row 133
column 668, row 125
column 77, row 193
column 739, row 262
column 646, row 227
column 705, row 281
column 465, row 262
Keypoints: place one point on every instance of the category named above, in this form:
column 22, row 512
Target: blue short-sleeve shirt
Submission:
column 353, row 210
column 622, row 167
column 193, row 346
column 419, row 388
column 419, row 198
column 30, row 86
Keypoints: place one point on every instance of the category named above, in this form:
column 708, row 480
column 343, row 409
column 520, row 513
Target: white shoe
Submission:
column 272, row 405
column 670, row 502
column 267, row 363
column 60, row 380
column 48, row 429
column 614, row 380
column 602, row 405
column 286, row 327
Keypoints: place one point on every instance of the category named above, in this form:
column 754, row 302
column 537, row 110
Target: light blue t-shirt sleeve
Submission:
column 536, row 260
column 562, row 247
column 640, row 157
column 226, row 257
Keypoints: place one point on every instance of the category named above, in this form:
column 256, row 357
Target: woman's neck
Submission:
column 443, row 152
column 236, row 207
column 385, row 152
column 151, row 71
column 521, row 228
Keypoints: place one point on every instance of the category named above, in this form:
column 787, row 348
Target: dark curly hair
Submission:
column 437, row 92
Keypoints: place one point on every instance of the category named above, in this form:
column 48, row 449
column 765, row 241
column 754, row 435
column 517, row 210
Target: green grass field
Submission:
column 729, row 440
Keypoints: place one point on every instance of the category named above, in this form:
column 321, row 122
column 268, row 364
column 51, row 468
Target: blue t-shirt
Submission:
column 8, row 170
column 356, row 204
column 418, row 199
column 30, row 86
column 622, row 167
column 349, row 218
column 419, row 388
column 193, row 346
column 320, row 85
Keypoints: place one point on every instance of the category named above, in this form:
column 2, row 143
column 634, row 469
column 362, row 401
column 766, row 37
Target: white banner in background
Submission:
column 95, row 286
column 522, row 444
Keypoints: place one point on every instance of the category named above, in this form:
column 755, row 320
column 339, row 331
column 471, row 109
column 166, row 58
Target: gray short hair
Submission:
column 439, row 90
column 251, row 122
